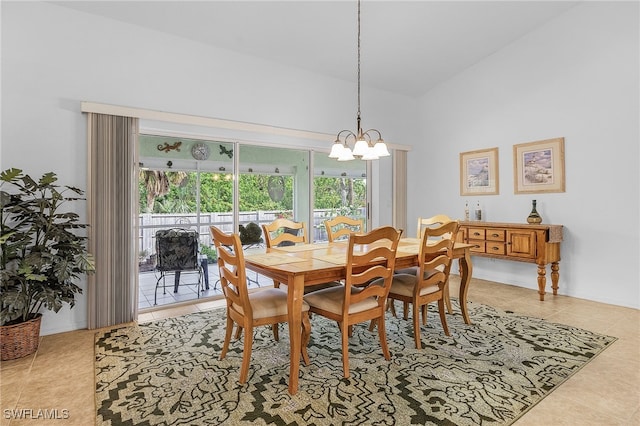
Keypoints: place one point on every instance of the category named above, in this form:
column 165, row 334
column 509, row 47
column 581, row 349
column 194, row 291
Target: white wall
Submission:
column 53, row 58
column 578, row 78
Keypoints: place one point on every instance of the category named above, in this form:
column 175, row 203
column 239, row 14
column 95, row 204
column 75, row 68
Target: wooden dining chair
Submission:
column 249, row 310
column 341, row 226
column 369, row 269
column 423, row 223
column 283, row 232
column 431, row 282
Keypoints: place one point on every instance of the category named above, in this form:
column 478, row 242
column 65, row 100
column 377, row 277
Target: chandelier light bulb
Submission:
column 370, row 154
column 346, row 154
column 380, row 148
column 336, row 149
column 360, row 148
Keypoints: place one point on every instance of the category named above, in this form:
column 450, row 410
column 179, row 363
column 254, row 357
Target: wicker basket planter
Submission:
column 19, row 340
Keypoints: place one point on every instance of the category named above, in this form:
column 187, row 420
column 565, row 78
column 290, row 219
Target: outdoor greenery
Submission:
column 210, row 252
column 175, row 192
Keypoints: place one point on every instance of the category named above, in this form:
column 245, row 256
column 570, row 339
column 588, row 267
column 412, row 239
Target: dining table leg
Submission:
column 465, row 277
column 295, row 293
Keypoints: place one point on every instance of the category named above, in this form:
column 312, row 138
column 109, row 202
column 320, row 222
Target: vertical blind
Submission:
column 112, row 200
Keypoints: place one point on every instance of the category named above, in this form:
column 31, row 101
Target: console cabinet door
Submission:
column 521, row 243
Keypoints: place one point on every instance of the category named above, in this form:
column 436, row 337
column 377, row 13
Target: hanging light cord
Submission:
column 364, row 146
column 359, row 129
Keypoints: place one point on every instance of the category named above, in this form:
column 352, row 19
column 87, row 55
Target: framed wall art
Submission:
column 539, row 166
column 479, row 172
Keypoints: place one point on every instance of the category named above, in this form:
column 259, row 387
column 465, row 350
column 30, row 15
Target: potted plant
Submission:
column 41, row 255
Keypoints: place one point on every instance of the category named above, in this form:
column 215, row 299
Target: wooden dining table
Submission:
column 303, row 265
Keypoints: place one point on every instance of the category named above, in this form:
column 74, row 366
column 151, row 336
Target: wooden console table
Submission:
column 539, row 244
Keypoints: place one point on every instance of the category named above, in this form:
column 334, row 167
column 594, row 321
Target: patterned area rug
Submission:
column 168, row 373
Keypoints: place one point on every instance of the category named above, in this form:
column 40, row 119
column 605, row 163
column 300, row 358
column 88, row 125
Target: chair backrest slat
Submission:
column 370, row 257
column 233, row 276
column 341, row 226
column 430, row 222
column 284, row 232
column 436, row 253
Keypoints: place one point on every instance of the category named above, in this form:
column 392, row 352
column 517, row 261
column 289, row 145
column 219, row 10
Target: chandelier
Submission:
column 365, row 146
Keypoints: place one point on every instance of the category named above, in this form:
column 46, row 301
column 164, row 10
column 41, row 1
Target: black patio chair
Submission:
column 177, row 251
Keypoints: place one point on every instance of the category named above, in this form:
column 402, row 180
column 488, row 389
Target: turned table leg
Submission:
column 542, row 280
column 555, row 277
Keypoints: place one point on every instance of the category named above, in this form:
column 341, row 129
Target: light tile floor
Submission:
column 60, row 375
column 187, row 290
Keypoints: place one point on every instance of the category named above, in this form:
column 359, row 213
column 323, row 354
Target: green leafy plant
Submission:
column 211, row 253
column 41, row 253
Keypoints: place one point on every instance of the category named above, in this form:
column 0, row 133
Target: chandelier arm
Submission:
column 348, row 132
column 377, row 131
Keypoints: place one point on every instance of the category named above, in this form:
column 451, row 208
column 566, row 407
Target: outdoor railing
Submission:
column 149, row 223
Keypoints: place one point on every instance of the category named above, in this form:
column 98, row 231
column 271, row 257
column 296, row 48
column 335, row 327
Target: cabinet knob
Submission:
column 475, row 234
column 495, row 235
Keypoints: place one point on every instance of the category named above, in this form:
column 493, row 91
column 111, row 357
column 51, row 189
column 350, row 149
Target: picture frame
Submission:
column 479, row 172
column 539, row 166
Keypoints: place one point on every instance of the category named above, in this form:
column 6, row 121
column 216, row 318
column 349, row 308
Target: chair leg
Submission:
column 345, row 351
column 406, row 310
column 246, row 355
column 382, row 333
column 238, row 332
column 443, row 317
column 447, row 298
column 372, row 325
column 425, row 309
column 155, row 293
column 306, row 336
column 392, row 307
column 276, row 336
column 416, row 325
column 227, row 337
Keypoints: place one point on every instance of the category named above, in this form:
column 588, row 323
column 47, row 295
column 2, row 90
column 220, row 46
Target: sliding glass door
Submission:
column 340, row 189
column 194, row 184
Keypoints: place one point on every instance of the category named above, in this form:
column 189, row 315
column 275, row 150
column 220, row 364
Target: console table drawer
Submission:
column 478, row 246
column 494, row 247
column 476, row 234
column 495, row 234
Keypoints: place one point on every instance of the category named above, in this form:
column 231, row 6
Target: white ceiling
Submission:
column 407, row 47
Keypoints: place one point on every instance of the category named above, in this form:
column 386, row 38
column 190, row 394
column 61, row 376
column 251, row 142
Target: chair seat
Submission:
column 331, row 299
column 403, row 285
column 269, row 302
column 413, row 270
column 316, row 287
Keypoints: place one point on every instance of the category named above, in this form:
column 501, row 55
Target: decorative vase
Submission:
column 534, row 217
column 20, row 340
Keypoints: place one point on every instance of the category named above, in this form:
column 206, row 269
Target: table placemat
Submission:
column 302, row 247
column 338, row 259
column 270, row 259
column 409, row 241
column 409, row 249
